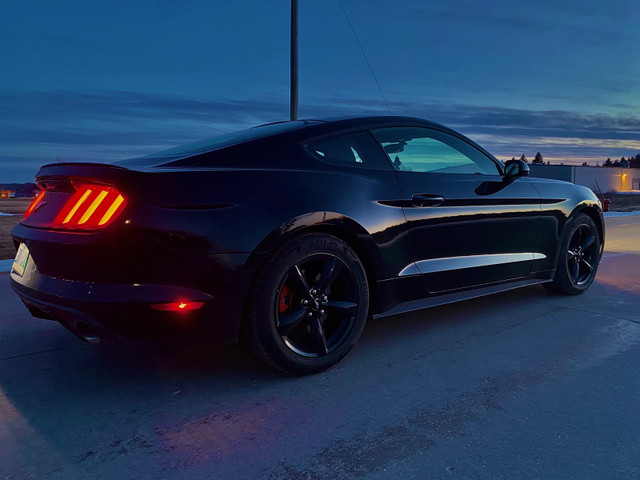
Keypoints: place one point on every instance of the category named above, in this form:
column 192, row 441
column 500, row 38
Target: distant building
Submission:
column 18, row 190
column 609, row 179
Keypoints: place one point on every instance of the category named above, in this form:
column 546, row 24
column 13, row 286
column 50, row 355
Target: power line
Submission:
column 365, row 56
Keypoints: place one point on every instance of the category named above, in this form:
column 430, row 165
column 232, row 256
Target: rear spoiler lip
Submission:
column 94, row 171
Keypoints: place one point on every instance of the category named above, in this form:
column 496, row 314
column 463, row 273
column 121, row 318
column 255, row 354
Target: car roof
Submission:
column 337, row 123
column 295, row 131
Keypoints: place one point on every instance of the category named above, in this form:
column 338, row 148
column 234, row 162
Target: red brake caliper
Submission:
column 285, row 299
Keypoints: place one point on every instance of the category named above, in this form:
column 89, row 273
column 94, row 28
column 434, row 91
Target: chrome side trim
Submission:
column 434, row 265
column 411, row 269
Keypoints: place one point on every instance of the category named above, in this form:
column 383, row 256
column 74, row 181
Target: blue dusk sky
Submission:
column 107, row 80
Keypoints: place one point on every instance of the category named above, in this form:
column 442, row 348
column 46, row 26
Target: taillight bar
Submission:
column 34, row 204
column 92, row 206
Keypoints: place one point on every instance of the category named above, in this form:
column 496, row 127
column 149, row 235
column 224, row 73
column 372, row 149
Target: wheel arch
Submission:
column 338, row 225
column 358, row 247
column 561, row 282
column 593, row 211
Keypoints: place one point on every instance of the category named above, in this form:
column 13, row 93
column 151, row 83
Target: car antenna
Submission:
column 365, row 56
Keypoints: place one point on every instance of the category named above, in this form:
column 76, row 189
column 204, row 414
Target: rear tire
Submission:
column 307, row 306
column 578, row 258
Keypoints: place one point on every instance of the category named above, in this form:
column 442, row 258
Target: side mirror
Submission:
column 514, row 169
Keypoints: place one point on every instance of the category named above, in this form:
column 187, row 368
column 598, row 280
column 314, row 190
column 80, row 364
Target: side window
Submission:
column 418, row 149
column 357, row 149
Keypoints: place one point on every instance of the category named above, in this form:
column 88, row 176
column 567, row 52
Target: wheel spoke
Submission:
column 572, row 254
column 587, row 242
column 576, row 239
column 587, row 264
column 291, row 320
column 575, row 270
column 342, row 309
column 297, row 282
column 329, row 274
column 318, row 338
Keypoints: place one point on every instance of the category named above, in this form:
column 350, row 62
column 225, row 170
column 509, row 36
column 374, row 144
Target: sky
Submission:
column 107, row 80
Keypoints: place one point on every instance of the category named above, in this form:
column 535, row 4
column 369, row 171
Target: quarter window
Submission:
column 418, row 149
column 357, row 149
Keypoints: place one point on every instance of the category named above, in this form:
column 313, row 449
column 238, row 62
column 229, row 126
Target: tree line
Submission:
column 630, row 162
column 538, row 159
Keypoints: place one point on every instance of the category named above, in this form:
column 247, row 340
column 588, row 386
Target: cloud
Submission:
column 39, row 126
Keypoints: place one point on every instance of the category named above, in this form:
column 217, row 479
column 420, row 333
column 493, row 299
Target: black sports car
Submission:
column 288, row 236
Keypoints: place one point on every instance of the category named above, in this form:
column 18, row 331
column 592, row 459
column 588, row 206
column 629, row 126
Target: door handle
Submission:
column 426, row 200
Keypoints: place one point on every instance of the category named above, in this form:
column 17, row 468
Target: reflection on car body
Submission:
column 288, row 236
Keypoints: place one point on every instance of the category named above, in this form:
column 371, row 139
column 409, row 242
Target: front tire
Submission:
column 579, row 257
column 308, row 305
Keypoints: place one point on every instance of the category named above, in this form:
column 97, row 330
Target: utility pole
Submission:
column 293, row 103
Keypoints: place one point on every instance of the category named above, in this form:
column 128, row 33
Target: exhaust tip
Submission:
column 87, row 333
column 92, row 339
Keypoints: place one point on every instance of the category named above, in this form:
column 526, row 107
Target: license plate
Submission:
column 20, row 262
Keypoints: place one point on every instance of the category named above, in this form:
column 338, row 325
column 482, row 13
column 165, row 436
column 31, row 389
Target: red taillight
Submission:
column 180, row 306
column 92, row 206
column 34, row 204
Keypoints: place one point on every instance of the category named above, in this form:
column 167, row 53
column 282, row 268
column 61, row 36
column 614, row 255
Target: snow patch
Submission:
column 5, row 265
column 625, row 192
column 621, row 214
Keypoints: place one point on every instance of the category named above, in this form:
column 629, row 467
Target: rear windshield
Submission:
column 214, row 143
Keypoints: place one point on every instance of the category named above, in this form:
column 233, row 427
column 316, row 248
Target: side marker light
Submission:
column 180, row 306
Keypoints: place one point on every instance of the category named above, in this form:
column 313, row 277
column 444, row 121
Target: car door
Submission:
column 467, row 226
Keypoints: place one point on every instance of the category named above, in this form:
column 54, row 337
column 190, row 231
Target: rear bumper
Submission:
column 94, row 311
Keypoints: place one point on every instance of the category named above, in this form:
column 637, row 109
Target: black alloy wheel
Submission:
column 317, row 305
column 317, row 310
column 582, row 255
column 578, row 258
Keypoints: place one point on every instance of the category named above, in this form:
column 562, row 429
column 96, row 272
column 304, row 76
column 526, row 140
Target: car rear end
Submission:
column 103, row 251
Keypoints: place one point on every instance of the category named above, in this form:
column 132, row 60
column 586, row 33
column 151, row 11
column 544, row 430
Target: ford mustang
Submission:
column 287, row 237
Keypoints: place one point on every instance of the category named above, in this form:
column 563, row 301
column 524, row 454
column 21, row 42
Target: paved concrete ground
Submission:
column 518, row 385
